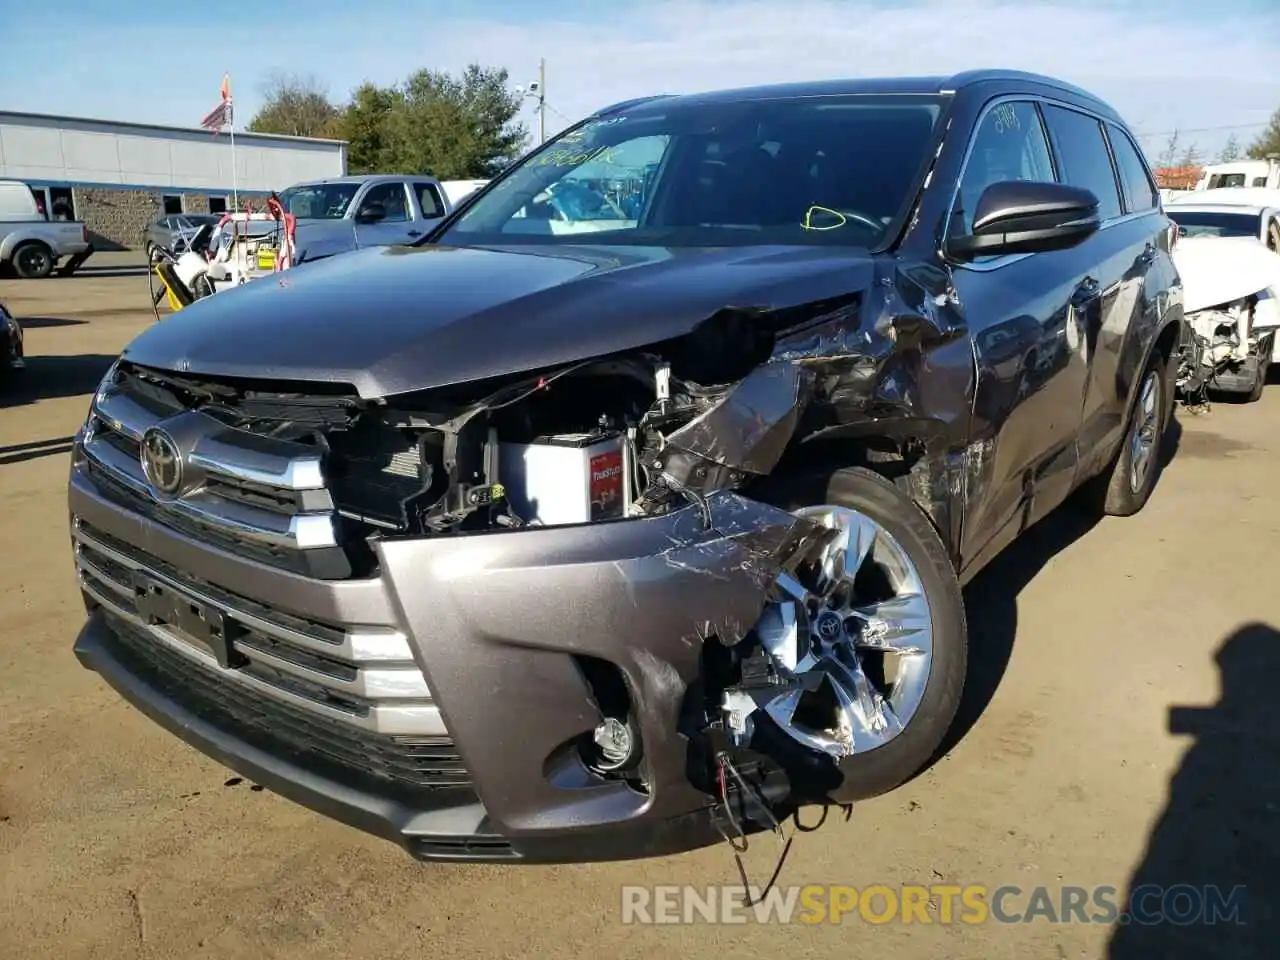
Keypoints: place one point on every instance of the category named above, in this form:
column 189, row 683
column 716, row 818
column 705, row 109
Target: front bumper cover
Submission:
column 495, row 622
column 460, row 832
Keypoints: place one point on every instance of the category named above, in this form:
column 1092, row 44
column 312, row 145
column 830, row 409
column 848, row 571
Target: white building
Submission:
column 117, row 177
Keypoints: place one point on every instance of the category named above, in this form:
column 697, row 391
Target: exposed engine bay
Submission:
column 601, row 439
column 595, row 441
column 1226, row 348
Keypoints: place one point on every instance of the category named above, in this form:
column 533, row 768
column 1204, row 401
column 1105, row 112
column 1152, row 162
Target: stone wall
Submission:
column 117, row 219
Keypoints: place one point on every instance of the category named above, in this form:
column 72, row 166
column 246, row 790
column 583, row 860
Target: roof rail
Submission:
column 967, row 77
column 624, row 104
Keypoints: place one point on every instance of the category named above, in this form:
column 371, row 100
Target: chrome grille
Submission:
column 364, row 678
column 260, row 496
column 337, row 692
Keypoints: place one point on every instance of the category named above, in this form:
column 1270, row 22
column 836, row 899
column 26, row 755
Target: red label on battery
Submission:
column 606, row 483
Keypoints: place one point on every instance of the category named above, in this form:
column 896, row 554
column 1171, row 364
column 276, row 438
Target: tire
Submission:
column 1113, row 492
column 33, row 260
column 882, row 768
column 1263, row 366
column 1259, row 382
column 202, row 287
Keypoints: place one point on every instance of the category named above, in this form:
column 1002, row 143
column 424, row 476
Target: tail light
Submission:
column 84, row 233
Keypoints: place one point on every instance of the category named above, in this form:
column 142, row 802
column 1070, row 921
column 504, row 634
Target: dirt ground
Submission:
column 117, row 840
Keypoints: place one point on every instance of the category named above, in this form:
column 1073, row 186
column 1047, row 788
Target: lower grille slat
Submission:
column 366, row 674
column 285, row 730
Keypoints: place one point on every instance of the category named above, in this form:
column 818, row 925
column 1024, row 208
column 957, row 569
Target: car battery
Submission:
column 566, row 478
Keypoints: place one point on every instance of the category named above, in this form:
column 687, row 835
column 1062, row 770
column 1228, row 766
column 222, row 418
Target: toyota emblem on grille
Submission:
column 161, row 462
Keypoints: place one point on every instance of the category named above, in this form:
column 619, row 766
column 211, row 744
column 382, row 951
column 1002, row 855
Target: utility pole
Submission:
column 542, row 100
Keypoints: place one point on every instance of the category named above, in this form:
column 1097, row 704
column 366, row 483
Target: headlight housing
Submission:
column 100, row 393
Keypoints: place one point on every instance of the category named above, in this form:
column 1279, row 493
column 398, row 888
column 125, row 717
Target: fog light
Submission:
column 616, row 743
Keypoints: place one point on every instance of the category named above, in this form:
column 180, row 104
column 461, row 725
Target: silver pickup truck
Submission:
column 33, row 244
column 347, row 213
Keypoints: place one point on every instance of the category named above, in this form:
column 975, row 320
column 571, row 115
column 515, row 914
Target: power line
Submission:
column 1231, row 126
column 557, row 112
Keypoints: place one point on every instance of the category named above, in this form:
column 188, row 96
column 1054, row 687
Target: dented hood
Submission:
column 1220, row 270
column 391, row 320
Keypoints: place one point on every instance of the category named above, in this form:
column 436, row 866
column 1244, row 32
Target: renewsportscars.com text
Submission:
column 1182, row 905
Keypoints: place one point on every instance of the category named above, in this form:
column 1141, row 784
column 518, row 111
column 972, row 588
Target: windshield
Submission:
column 318, row 201
column 1206, row 223
column 829, row 170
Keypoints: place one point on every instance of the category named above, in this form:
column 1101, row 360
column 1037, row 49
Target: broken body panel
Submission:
column 1232, row 302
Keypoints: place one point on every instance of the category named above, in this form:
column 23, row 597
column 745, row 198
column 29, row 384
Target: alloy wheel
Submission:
column 854, row 626
column 1145, row 430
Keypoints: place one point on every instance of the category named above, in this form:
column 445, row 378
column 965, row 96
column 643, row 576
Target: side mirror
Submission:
column 1019, row 216
column 371, row 212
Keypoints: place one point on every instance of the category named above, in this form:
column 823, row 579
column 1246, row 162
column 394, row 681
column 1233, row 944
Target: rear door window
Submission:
column 428, row 200
column 1083, row 160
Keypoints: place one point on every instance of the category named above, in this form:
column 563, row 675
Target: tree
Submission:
column 1191, row 157
column 364, row 125
column 297, row 106
column 454, row 127
column 1268, row 141
column 1230, row 150
column 1169, row 156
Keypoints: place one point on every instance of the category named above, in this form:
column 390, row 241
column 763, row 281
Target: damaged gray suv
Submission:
column 631, row 507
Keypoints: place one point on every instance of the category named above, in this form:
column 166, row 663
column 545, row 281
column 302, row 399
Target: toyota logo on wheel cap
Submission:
column 161, row 462
column 830, row 626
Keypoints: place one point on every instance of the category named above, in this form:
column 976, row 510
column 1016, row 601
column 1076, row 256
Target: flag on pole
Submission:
column 220, row 116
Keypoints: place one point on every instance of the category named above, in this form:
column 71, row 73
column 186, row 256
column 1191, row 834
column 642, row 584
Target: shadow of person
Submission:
column 1208, row 884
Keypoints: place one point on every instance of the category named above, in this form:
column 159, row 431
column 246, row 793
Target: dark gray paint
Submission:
column 393, row 320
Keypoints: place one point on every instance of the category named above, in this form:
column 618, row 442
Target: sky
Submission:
column 1206, row 70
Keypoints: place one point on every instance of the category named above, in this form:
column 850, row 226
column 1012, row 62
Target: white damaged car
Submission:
column 1231, row 299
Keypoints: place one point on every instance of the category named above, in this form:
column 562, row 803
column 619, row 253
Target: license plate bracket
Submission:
column 161, row 605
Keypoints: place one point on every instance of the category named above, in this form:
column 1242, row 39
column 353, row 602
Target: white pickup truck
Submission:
column 30, row 242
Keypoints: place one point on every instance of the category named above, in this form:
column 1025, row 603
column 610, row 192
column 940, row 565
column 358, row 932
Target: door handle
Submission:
column 415, row 233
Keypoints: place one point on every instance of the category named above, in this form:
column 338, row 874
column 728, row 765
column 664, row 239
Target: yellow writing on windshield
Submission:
column 823, row 212
column 573, row 156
